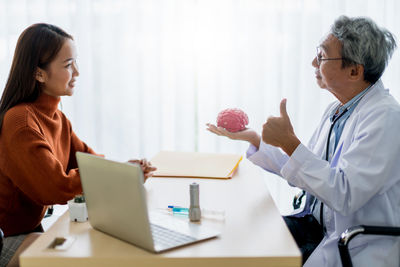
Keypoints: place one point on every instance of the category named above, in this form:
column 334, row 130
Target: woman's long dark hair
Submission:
column 37, row 46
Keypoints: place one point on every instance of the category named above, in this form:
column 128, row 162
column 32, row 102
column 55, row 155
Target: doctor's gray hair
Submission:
column 365, row 43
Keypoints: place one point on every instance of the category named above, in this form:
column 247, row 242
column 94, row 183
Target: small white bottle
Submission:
column 194, row 209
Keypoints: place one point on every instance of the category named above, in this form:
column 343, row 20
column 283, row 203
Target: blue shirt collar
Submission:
column 349, row 105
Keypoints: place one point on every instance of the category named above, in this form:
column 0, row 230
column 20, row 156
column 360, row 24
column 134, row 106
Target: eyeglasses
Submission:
column 320, row 59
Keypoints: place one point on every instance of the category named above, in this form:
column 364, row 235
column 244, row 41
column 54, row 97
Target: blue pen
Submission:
column 215, row 214
column 178, row 210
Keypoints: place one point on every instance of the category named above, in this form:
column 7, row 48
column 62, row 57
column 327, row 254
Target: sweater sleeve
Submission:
column 78, row 145
column 37, row 172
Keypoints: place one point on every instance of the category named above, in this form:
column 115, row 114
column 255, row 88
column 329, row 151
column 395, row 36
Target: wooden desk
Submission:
column 252, row 234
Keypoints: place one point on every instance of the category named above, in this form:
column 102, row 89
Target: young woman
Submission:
column 38, row 167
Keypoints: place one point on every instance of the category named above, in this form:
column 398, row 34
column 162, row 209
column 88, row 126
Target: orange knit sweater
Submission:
column 37, row 163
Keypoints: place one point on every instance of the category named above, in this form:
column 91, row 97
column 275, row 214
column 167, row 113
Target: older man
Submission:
column 351, row 167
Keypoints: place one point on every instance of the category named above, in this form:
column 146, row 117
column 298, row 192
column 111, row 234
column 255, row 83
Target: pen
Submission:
column 206, row 212
column 178, row 210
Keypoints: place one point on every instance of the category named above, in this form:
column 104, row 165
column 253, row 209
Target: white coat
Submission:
column 361, row 185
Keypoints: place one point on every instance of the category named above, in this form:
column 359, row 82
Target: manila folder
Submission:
column 195, row 164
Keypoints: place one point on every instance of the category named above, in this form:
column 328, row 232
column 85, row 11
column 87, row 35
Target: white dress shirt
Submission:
column 361, row 184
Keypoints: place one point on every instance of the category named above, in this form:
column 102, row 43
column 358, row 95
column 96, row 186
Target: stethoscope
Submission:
column 321, row 216
column 339, row 116
column 331, row 128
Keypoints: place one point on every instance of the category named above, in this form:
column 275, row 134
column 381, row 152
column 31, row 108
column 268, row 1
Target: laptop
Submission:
column 116, row 203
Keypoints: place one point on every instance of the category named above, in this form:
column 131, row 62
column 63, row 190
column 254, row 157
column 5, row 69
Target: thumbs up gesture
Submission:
column 278, row 131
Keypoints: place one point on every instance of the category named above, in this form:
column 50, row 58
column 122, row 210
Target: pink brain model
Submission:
column 232, row 119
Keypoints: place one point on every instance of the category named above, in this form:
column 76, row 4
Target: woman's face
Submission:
column 59, row 78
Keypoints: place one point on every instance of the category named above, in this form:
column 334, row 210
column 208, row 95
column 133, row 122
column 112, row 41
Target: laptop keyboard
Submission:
column 168, row 238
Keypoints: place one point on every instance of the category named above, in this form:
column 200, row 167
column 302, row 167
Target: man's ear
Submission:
column 356, row 72
column 40, row 75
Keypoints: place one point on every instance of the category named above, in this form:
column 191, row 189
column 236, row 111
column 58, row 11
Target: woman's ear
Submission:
column 40, row 75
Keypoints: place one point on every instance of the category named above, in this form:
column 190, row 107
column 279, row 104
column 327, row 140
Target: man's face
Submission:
column 329, row 73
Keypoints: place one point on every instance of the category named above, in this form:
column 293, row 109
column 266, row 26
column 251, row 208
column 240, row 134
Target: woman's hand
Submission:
column 247, row 134
column 146, row 166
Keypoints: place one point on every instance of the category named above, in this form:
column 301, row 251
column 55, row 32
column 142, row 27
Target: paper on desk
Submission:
column 195, row 164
